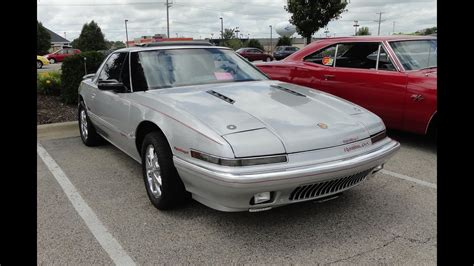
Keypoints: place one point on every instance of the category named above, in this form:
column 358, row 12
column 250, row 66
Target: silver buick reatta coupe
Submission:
column 205, row 123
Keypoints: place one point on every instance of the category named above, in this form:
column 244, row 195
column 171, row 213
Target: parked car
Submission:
column 282, row 52
column 41, row 61
column 253, row 54
column 59, row 55
column 205, row 123
column 392, row 76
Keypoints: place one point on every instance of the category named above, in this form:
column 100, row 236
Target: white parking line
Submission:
column 100, row 232
column 419, row 182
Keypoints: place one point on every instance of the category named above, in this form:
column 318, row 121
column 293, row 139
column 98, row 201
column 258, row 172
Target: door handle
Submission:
column 327, row 77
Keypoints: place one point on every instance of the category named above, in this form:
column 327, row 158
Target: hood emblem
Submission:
column 231, row 127
column 322, row 125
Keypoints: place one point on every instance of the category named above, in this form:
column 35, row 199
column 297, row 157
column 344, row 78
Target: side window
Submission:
column 256, row 51
column 70, row 51
column 323, row 57
column 125, row 76
column 357, row 55
column 113, row 67
column 384, row 61
column 138, row 76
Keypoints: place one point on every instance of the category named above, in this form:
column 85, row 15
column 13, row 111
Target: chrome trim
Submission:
column 429, row 121
column 378, row 56
column 230, row 177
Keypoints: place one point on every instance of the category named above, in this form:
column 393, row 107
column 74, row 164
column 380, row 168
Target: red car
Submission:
column 59, row 55
column 392, row 76
column 253, row 54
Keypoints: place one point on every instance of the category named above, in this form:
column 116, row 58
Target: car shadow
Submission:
column 423, row 142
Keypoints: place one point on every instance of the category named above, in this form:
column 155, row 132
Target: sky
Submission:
column 200, row 18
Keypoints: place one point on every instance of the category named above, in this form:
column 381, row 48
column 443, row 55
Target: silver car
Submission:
column 205, row 123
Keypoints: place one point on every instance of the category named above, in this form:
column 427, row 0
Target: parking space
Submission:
column 386, row 219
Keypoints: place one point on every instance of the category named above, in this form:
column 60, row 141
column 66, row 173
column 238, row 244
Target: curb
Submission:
column 57, row 130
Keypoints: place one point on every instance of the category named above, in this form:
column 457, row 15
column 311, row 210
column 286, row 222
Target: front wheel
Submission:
column 39, row 64
column 269, row 59
column 162, row 182
column 88, row 134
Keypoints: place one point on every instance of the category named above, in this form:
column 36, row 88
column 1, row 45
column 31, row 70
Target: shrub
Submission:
column 73, row 71
column 48, row 83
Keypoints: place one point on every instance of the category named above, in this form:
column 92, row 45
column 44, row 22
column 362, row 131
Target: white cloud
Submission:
column 199, row 18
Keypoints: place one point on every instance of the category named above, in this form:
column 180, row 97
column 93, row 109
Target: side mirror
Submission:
column 111, row 85
column 88, row 76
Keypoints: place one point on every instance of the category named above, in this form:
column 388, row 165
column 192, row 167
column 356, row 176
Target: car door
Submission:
column 61, row 54
column 259, row 55
column 364, row 73
column 112, row 107
column 315, row 68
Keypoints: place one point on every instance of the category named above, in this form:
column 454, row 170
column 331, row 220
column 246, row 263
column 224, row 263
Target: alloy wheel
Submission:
column 153, row 171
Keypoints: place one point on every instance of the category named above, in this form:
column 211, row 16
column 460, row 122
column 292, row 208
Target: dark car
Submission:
column 253, row 54
column 284, row 51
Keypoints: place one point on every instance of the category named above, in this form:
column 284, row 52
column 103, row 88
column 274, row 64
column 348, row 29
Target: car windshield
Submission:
column 416, row 54
column 280, row 48
column 181, row 67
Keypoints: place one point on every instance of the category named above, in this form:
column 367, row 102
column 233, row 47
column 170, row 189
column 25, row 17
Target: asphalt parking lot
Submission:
column 390, row 218
column 49, row 68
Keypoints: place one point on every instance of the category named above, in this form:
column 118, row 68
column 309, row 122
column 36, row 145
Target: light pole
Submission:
column 212, row 36
column 271, row 41
column 167, row 18
column 355, row 27
column 126, row 32
column 222, row 27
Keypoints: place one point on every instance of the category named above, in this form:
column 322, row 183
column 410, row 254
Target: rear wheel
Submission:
column 269, row 59
column 39, row 64
column 162, row 182
column 52, row 61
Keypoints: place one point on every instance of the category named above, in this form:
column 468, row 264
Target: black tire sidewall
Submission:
column 172, row 188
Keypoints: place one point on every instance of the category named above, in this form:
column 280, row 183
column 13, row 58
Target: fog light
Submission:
column 261, row 197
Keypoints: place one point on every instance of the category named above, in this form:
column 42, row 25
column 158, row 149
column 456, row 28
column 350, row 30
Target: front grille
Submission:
column 328, row 187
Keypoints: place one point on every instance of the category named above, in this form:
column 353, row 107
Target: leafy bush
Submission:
column 48, row 83
column 73, row 71
column 235, row 44
column 284, row 41
column 254, row 43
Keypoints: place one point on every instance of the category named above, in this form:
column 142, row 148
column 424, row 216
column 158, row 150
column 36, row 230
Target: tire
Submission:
column 162, row 182
column 52, row 61
column 87, row 130
column 268, row 59
column 39, row 64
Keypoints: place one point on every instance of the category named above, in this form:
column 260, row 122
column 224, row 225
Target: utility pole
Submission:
column 222, row 28
column 271, row 41
column 393, row 31
column 379, row 21
column 168, row 5
column 126, row 32
column 355, row 26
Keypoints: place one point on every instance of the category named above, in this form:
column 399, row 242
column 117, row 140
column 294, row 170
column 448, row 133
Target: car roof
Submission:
column 379, row 38
column 174, row 45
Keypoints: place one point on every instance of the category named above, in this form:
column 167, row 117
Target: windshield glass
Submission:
column 181, row 67
column 417, row 54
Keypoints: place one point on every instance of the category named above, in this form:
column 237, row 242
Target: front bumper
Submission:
column 232, row 190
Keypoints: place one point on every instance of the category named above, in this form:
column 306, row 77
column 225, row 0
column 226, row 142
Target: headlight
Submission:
column 378, row 136
column 239, row 162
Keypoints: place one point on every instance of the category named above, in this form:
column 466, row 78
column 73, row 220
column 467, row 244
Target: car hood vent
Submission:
column 287, row 90
column 220, row 96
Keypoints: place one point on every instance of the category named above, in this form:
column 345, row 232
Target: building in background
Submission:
column 155, row 38
column 57, row 42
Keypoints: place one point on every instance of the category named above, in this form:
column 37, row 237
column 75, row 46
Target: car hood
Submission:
column 300, row 118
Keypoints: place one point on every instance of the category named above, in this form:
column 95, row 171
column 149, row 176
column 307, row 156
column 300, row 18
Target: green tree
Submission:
column 233, row 43
column 43, row 39
column 311, row 15
column 74, row 43
column 363, row 31
column 229, row 34
column 91, row 38
column 284, row 41
column 253, row 43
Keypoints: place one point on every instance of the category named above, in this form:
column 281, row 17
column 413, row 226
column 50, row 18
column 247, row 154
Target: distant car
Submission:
column 41, row 61
column 253, row 54
column 59, row 55
column 393, row 76
column 205, row 123
column 284, row 51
